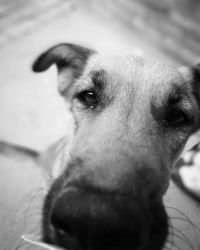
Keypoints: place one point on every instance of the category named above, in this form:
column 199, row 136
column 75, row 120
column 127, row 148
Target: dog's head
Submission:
column 132, row 118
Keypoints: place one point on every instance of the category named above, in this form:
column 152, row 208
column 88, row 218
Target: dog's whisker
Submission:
column 186, row 219
column 185, row 216
column 170, row 236
column 25, row 217
column 172, row 244
column 179, row 235
column 19, row 244
column 190, row 225
column 175, row 233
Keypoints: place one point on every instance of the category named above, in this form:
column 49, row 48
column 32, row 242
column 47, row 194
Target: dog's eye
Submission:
column 88, row 98
column 176, row 119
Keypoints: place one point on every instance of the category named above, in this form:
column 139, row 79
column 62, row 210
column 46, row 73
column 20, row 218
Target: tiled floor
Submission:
column 33, row 114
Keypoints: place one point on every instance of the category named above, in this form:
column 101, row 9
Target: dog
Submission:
column 132, row 117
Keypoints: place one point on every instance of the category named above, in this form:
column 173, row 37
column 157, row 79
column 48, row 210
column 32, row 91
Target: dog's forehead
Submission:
column 136, row 69
column 116, row 63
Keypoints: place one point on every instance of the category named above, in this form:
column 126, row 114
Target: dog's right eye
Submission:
column 88, row 98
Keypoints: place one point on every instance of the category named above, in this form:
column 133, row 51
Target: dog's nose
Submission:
column 89, row 220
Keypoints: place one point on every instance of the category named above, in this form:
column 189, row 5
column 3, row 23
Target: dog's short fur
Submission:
column 132, row 118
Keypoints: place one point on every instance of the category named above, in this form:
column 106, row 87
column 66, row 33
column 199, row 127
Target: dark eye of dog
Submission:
column 176, row 119
column 88, row 98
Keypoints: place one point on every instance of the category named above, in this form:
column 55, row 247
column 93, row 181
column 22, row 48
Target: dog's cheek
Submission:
column 176, row 144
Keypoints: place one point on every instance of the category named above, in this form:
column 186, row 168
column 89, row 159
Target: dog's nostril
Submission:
column 61, row 217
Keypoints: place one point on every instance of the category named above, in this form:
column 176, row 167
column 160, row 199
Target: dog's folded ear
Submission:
column 191, row 74
column 70, row 60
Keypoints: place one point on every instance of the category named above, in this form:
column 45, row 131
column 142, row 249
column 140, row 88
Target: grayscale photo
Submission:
column 100, row 125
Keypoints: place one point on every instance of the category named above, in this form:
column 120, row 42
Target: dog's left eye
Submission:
column 177, row 118
column 88, row 98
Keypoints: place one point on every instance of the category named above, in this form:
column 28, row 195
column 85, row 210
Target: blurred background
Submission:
column 32, row 113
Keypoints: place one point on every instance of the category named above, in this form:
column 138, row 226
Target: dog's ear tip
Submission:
column 39, row 65
column 35, row 67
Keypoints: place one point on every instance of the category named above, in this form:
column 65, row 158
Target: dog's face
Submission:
column 132, row 118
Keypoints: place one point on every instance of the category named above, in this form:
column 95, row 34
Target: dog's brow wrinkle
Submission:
column 158, row 107
column 98, row 77
column 179, row 97
column 174, row 97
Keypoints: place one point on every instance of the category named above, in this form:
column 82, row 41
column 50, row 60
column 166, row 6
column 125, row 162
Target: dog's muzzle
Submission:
column 86, row 218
